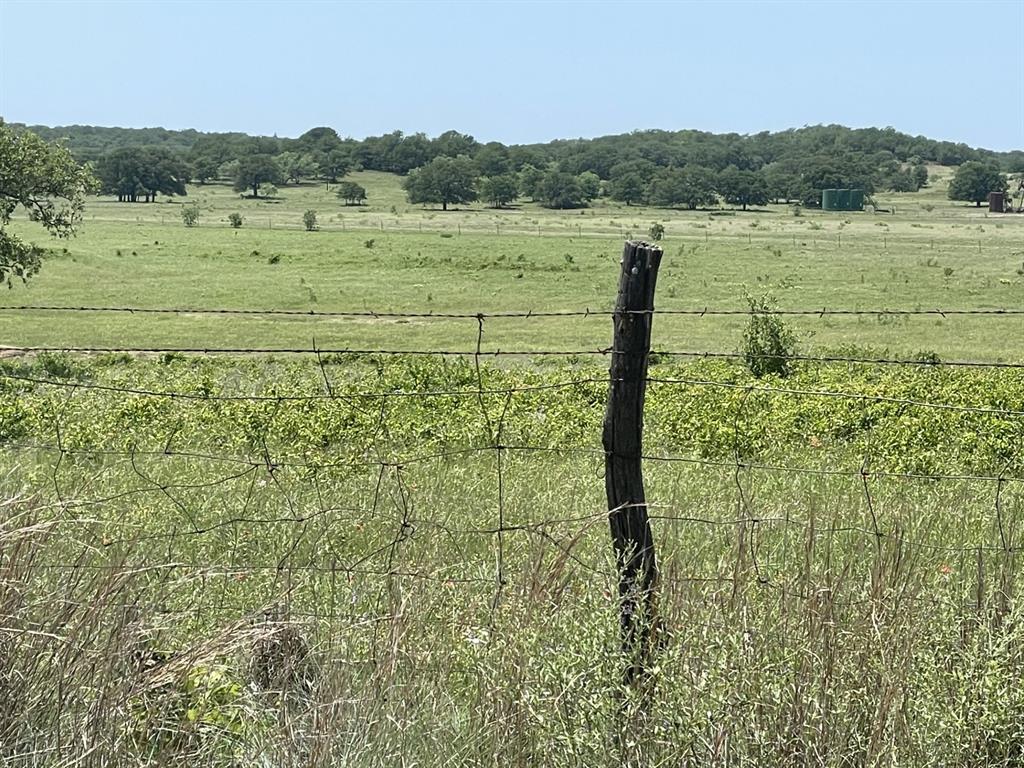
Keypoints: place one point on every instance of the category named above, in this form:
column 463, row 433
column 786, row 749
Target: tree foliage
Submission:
column 973, row 181
column 690, row 187
column 444, row 180
column 499, row 191
column 255, row 170
column 742, row 187
column 399, row 153
column 334, row 164
column 132, row 172
column 46, row 182
column 559, row 188
column 530, row 178
column 296, row 166
column 351, row 193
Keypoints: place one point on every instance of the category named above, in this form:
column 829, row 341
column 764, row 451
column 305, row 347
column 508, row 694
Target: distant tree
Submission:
column 295, row 167
column 333, row 164
column 163, row 173
column 132, row 172
column 742, row 187
column 628, row 181
column 190, row 215
column 560, row 188
column 229, row 170
column 492, row 159
column 974, row 180
column 204, row 168
column 499, row 191
column 454, row 144
column 235, row 220
column 920, row 172
column 782, row 182
column 444, row 180
column 590, row 185
column 44, row 180
column 321, row 139
column 901, row 180
column 530, row 178
column 628, row 188
column 692, row 186
column 521, row 156
column 411, row 152
column 254, row 171
column 351, row 193
column 309, row 220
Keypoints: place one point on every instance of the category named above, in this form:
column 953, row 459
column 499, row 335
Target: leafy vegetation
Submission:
column 351, row 193
column 259, row 610
column 46, row 183
column 973, row 181
column 768, row 342
column 190, row 215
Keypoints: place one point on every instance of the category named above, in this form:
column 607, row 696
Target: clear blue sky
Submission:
column 518, row 72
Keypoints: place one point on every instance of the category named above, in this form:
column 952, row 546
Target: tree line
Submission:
column 399, row 153
column 671, row 169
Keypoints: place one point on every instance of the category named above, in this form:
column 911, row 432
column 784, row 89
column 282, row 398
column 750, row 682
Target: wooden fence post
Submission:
column 622, row 438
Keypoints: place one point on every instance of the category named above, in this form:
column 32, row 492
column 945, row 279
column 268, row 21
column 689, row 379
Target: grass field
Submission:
column 952, row 256
column 404, row 561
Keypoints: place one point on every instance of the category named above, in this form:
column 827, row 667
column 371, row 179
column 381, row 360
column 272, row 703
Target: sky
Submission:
column 518, row 72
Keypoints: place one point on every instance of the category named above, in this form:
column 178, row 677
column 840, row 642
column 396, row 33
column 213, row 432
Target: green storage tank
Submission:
column 842, row 199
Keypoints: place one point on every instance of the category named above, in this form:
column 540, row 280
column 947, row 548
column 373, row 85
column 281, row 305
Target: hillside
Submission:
column 661, row 147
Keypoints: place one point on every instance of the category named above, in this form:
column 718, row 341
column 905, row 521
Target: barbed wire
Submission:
column 296, row 520
column 540, row 353
column 522, row 314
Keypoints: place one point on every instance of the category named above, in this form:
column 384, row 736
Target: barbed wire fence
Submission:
column 229, row 518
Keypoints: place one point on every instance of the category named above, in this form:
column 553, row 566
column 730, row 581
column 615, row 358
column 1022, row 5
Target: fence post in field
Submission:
column 622, row 438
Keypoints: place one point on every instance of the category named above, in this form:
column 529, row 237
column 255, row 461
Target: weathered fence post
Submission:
column 622, row 437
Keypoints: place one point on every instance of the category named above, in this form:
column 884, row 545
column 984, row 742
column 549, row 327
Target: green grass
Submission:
column 950, row 257
column 342, row 552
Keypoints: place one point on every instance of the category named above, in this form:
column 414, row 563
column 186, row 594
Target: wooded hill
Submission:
column 662, row 168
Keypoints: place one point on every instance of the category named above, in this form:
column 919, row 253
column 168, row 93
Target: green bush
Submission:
column 768, row 342
column 190, row 215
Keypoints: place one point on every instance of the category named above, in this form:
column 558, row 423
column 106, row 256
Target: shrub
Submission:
column 190, row 215
column 768, row 342
column 235, row 220
column 309, row 220
column 656, row 232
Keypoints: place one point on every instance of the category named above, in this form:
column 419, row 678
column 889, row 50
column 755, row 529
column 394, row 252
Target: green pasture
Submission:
column 389, row 256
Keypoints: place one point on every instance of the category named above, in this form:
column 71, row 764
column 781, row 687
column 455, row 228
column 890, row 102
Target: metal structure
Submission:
column 842, row 199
